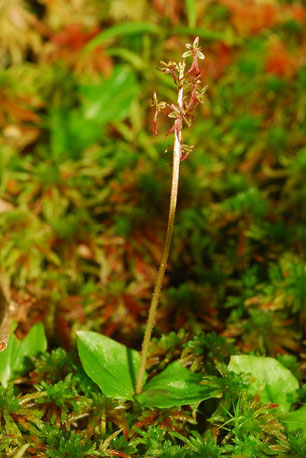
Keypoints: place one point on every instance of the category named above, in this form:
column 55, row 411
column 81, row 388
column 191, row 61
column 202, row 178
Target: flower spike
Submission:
column 181, row 113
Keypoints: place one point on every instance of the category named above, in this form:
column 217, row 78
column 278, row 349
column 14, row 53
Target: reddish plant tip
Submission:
column 188, row 81
column 272, row 405
column 195, row 52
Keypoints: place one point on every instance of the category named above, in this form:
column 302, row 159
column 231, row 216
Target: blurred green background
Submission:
column 85, row 184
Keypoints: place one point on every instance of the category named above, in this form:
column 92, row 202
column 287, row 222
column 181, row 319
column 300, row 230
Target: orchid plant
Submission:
column 190, row 92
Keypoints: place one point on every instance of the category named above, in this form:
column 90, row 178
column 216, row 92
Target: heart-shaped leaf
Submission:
column 175, row 386
column 272, row 379
column 109, row 364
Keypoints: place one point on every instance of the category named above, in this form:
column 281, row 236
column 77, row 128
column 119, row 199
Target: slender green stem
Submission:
column 177, row 148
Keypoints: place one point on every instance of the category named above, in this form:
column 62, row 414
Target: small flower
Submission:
column 176, row 111
column 186, row 150
column 201, row 93
column 159, row 106
column 170, row 67
column 177, row 126
column 188, row 119
column 195, row 52
column 189, row 82
column 182, row 66
column 194, row 83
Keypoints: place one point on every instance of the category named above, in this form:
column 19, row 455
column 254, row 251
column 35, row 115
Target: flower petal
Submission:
column 196, row 42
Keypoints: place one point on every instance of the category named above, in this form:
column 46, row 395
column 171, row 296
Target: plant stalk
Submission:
column 5, row 318
column 177, row 149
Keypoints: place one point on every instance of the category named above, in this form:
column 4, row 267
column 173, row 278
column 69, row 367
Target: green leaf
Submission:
column 109, row 364
column 34, row 342
column 120, row 30
column 72, row 133
column 13, row 359
column 191, row 12
column 175, row 386
column 112, row 98
column 200, row 32
column 129, row 56
column 296, row 420
column 7, row 358
column 272, row 378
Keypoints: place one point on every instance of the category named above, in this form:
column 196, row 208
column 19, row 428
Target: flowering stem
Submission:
column 182, row 113
column 177, row 152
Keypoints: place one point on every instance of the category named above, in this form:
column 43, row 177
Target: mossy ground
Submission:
column 84, row 198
